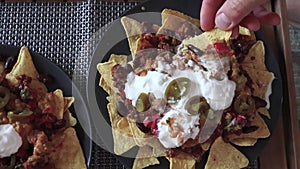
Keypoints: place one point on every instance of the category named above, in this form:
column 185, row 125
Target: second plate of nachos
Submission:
column 184, row 98
column 40, row 109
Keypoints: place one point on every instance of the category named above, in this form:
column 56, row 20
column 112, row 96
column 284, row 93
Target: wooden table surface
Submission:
column 283, row 149
column 282, row 152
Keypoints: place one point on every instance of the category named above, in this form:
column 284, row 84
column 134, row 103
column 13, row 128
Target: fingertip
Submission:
column 251, row 22
column 206, row 27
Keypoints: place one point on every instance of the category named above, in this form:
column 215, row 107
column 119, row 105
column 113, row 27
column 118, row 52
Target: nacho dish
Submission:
column 35, row 125
column 184, row 94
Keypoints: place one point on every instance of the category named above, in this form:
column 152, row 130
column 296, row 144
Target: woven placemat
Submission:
column 62, row 32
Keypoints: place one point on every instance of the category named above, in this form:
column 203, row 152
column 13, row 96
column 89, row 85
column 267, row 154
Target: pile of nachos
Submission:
column 185, row 93
column 36, row 125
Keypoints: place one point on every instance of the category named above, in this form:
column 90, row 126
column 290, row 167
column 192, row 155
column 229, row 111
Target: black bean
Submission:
column 122, row 109
column 249, row 129
column 142, row 127
column 59, row 124
column 9, row 64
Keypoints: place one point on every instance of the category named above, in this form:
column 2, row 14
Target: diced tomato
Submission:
column 221, row 48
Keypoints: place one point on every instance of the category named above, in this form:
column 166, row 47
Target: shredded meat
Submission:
column 40, row 156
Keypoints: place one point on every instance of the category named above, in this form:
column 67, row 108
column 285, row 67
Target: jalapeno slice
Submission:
column 196, row 105
column 4, row 96
column 142, row 103
column 177, row 88
column 13, row 117
column 244, row 104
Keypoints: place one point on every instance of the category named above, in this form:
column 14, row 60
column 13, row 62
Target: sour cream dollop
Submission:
column 10, row 140
column 175, row 128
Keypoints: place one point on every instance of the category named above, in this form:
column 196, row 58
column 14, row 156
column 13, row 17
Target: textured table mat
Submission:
column 62, row 32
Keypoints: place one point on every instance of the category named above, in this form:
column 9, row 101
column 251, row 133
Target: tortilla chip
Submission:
column 166, row 12
column 105, row 70
column 260, row 81
column 144, row 152
column 59, row 103
column 224, row 156
column 133, row 29
column 119, row 134
column 68, row 101
column 159, row 152
column 70, row 154
column 206, row 145
column 246, row 31
column 70, row 120
column 261, row 132
column 208, row 38
column 181, row 161
column 244, row 141
column 201, row 41
column 264, row 111
column 256, row 57
column 140, row 137
column 178, row 22
column 218, row 35
column 25, row 66
column 144, row 158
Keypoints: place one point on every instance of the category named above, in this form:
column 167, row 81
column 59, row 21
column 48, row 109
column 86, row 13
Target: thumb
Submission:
column 233, row 11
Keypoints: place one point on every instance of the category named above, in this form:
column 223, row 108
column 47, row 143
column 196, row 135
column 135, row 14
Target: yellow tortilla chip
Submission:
column 25, row 66
column 261, row 132
column 256, row 57
column 217, row 35
column 178, row 22
column 247, row 141
column 138, row 135
column 59, row 103
column 264, row 111
column 260, row 81
column 70, row 154
column 144, row 158
column 181, row 161
column 68, row 101
column 133, row 29
column 208, row 38
column 201, row 41
column 224, row 156
column 70, row 120
column 246, row 31
column 105, row 70
column 119, row 134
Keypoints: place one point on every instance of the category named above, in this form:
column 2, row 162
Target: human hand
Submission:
column 228, row 14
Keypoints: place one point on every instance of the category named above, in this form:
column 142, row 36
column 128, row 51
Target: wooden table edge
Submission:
column 283, row 149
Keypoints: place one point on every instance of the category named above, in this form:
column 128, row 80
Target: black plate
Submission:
column 63, row 82
column 114, row 42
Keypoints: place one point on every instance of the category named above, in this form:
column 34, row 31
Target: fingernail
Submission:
column 222, row 21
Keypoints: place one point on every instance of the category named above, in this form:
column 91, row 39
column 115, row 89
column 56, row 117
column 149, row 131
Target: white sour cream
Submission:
column 153, row 82
column 181, row 127
column 10, row 140
column 219, row 93
column 269, row 92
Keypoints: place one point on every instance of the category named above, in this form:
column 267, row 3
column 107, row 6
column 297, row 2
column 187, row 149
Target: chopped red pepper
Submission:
column 221, row 48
